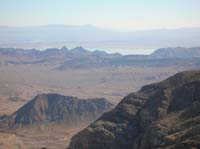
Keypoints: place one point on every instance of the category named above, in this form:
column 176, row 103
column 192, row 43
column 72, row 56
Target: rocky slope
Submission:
column 46, row 108
column 160, row 115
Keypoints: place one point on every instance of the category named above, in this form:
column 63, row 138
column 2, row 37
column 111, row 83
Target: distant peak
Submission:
column 79, row 49
column 64, row 48
column 99, row 52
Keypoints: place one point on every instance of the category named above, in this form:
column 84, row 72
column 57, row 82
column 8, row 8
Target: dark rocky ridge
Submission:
column 160, row 115
column 47, row 108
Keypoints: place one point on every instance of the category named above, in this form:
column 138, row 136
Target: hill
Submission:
column 47, row 108
column 159, row 115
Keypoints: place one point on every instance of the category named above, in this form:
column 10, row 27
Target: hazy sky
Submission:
column 114, row 14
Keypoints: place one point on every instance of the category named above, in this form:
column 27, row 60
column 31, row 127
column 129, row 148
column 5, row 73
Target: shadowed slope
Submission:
column 160, row 115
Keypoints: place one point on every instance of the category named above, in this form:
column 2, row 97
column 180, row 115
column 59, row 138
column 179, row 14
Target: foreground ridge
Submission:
column 160, row 115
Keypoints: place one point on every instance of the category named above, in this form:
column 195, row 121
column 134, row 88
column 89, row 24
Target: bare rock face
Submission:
column 160, row 115
column 46, row 108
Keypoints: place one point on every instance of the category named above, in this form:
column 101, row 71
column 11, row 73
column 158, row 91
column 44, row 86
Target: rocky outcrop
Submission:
column 160, row 115
column 47, row 108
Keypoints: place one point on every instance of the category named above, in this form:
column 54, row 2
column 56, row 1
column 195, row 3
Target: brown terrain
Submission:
column 49, row 120
column 80, row 73
column 18, row 84
column 51, row 137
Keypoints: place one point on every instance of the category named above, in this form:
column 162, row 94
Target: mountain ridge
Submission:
column 47, row 108
column 160, row 115
column 80, row 57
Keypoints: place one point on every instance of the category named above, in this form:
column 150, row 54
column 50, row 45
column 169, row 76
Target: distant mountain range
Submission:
column 48, row 108
column 51, row 52
column 81, row 58
column 96, row 38
column 161, row 115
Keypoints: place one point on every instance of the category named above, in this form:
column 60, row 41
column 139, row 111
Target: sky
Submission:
column 112, row 14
